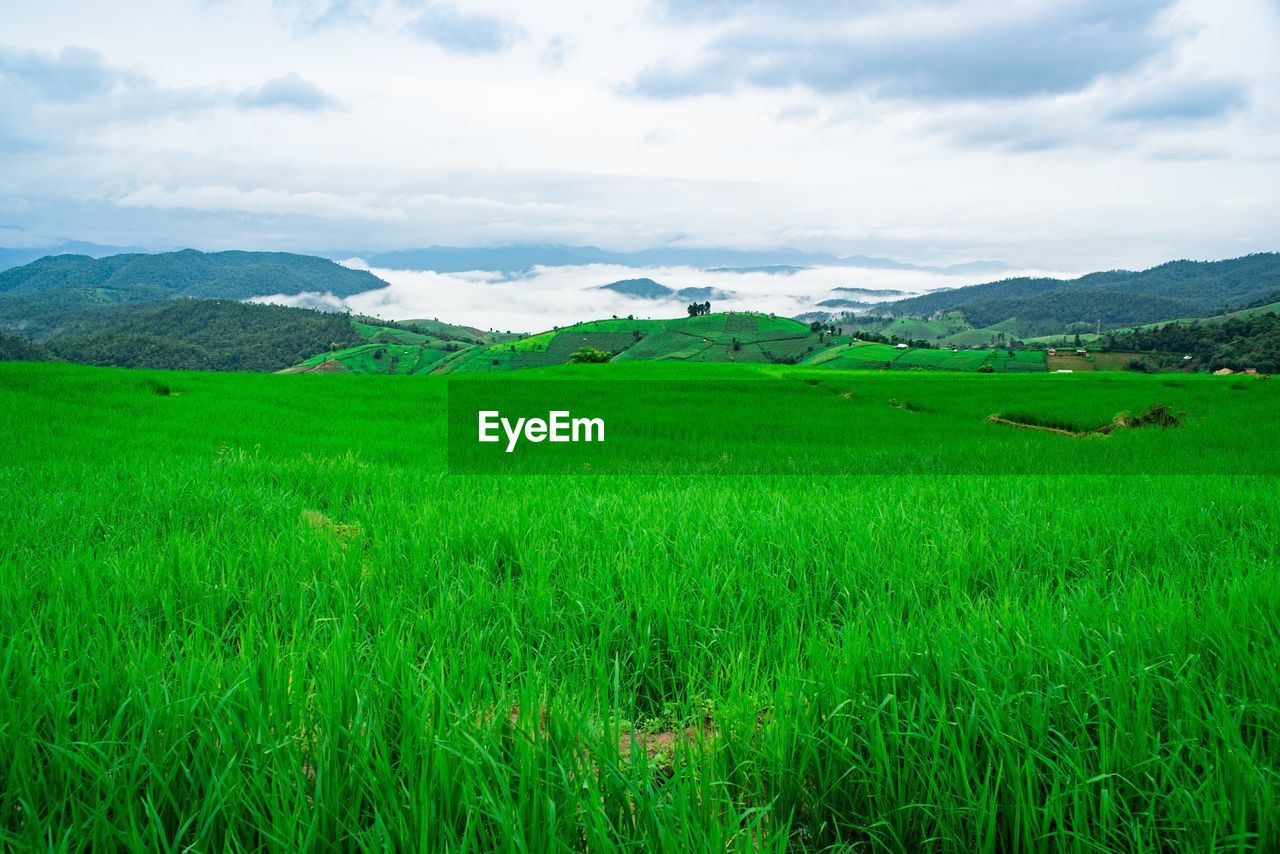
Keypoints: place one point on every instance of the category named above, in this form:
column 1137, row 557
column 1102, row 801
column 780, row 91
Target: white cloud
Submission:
column 148, row 135
column 290, row 91
column 259, row 201
column 559, row 296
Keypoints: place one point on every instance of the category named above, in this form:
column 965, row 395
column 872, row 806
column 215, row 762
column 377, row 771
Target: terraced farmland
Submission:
column 374, row 359
column 860, row 355
column 737, row 337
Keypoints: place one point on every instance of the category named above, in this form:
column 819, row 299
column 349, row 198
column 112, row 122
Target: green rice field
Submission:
column 260, row 611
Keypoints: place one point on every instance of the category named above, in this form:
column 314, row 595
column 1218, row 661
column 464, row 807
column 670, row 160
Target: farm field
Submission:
column 739, row 337
column 412, row 347
column 742, row 337
column 374, row 359
column 1094, row 361
column 861, row 355
column 252, row 611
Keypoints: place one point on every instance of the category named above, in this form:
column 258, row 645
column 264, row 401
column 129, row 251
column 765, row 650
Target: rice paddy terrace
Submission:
column 247, row 611
column 732, row 338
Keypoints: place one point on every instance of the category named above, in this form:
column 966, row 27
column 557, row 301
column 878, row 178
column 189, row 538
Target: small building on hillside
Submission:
column 1187, row 358
column 1052, row 351
column 1082, row 352
column 1223, row 372
column 901, row 347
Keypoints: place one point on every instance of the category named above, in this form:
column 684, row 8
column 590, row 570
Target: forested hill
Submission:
column 204, row 335
column 39, row 298
column 1119, row 297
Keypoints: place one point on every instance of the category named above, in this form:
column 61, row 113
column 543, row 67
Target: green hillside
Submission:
column 373, row 359
column 861, row 355
column 940, row 329
column 43, row 297
column 435, row 332
column 1116, row 298
column 403, row 347
column 206, row 335
column 1243, row 340
column 732, row 338
column 739, row 337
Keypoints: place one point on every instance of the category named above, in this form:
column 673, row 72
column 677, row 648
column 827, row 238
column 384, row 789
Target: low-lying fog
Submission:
column 559, row 296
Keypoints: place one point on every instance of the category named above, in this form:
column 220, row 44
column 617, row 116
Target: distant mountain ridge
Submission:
column 39, row 298
column 521, row 258
column 1118, row 297
column 649, row 289
column 17, row 256
column 871, row 292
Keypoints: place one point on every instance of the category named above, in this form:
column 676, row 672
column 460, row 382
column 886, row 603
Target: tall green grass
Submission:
column 256, row 611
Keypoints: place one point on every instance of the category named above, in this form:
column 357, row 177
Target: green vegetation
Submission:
column 374, row 359
column 208, row 335
column 247, row 611
column 15, row 349
column 403, row 347
column 1095, row 360
column 948, row 329
column 589, row 356
column 1117, row 298
column 45, row 296
column 1249, row 339
column 739, row 337
column 439, row 330
column 862, row 355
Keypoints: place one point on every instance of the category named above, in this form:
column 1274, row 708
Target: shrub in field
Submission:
column 1159, row 415
column 589, row 355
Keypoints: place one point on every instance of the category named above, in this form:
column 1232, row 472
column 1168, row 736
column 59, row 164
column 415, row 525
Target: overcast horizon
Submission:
column 1046, row 134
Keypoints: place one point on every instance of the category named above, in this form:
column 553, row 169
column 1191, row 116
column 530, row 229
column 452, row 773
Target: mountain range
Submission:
column 516, row 259
column 49, row 294
column 185, row 310
column 649, row 289
column 17, row 256
column 1178, row 289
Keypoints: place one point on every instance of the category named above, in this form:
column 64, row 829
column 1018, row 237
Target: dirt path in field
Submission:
column 328, row 366
column 1021, row 425
column 1157, row 415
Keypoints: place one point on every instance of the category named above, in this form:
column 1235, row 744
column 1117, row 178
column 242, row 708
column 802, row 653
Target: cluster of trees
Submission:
column 15, row 349
column 205, row 335
column 697, row 309
column 1249, row 342
column 589, row 356
column 877, row 338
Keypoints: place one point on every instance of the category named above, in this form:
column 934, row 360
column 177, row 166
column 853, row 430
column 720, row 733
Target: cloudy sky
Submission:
column 1051, row 134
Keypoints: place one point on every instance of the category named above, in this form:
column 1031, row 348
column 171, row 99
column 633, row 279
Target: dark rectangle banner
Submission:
column 878, row 424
